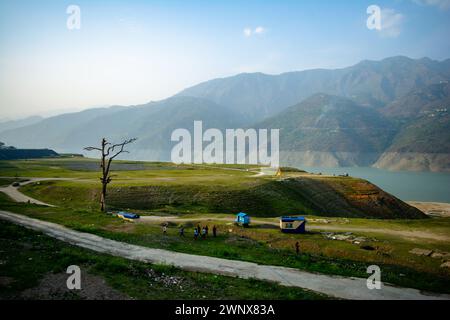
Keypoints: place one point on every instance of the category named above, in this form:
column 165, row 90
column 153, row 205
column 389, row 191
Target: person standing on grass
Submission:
column 165, row 229
column 206, row 229
column 214, row 231
column 182, row 231
column 297, row 247
column 198, row 229
column 203, row 232
column 195, row 233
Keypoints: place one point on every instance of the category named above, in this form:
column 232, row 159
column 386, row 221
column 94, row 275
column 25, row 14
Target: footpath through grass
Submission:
column 237, row 245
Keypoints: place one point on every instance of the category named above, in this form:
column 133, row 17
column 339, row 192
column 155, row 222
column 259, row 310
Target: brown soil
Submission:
column 53, row 287
column 432, row 208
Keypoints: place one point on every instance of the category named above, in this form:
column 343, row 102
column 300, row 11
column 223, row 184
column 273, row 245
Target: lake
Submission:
column 406, row 185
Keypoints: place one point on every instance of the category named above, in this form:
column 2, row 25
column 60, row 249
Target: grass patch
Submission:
column 261, row 245
column 200, row 192
column 40, row 255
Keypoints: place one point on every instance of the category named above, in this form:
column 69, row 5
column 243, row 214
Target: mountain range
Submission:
column 392, row 114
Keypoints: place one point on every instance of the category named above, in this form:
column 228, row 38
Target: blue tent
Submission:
column 127, row 215
column 293, row 224
column 242, row 218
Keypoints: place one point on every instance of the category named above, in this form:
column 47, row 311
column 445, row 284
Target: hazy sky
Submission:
column 131, row 52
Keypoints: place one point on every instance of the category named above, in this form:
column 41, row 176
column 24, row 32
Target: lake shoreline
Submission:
column 436, row 209
column 405, row 185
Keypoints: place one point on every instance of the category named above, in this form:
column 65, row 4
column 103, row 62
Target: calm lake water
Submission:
column 406, row 185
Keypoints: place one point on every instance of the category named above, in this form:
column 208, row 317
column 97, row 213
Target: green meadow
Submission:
column 208, row 195
column 40, row 256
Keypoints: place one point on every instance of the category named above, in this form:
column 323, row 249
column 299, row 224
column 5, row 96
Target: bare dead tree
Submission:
column 109, row 152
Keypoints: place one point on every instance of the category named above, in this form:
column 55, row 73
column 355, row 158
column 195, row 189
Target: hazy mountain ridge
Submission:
column 13, row 124
column 370, row 113
column 53, row 131
column 152, row 123
column 370, row 83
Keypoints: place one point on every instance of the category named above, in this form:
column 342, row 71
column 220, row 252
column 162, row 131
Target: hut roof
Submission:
column 290, row 219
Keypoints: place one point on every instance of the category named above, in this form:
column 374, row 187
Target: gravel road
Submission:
column 335, row 286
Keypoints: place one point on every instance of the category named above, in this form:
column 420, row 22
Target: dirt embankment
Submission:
column 437, row 209
column 350, row 197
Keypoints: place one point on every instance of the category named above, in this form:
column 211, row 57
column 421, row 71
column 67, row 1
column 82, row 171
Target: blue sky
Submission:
column 131, row 52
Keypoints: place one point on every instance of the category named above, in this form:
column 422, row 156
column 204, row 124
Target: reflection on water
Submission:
column 406, row 185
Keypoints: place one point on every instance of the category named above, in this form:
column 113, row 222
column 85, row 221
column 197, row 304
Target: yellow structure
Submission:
column 278, row 174
column 271, row 171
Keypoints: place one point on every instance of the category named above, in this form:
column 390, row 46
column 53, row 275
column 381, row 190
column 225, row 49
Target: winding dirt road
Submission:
column 14, row 193
column 334, row 286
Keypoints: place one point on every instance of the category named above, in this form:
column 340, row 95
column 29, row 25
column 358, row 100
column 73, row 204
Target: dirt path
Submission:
column 416, row 234
column 335, row 286
column 16, row 195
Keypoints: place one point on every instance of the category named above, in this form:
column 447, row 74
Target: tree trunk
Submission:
column 103, row 198
column 105, row 164
column 104, row 178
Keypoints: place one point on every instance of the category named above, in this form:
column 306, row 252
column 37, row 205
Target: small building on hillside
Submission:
column 293, row 224
column 242, row 219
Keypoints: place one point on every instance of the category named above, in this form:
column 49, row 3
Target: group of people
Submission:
column 202, row 232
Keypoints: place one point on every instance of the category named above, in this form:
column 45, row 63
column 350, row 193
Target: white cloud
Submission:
column 248, row 32
column 441, row 4
column 259, row 30
column 391, row 22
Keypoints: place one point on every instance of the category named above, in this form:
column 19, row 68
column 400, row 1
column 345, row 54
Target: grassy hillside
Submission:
column 168, row 188
column 389, row 242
